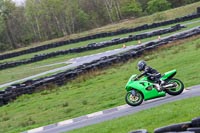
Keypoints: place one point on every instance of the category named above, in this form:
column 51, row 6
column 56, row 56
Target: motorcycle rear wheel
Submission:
column 178, row 89
column 134, row 100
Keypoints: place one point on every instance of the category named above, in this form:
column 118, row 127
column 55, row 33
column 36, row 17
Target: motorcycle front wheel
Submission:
column 177, row 89
column 135, row 100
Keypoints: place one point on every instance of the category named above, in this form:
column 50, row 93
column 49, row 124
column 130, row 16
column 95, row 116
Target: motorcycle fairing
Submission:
column 168, row 75
column 142, row 85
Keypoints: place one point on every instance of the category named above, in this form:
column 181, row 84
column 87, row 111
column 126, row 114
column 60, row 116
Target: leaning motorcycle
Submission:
column 139, row 90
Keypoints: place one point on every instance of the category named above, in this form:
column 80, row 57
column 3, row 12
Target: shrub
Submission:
column 158, row 5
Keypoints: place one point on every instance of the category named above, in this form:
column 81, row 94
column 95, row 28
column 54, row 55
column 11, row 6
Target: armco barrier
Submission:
column 99, row 35
column 30, row 86
column 91, row 47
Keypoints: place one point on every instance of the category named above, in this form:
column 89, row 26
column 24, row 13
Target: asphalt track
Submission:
column 113, row 113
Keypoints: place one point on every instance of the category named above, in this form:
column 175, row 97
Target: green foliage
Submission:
column 41, row 20
column 177, row 3
column 4, row 47
column 83, row 20
column 158, row 5
column 2, row 23
column 131, row 8
column 6, row 10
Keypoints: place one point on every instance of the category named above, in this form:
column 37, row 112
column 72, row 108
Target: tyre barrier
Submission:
column 100, row 35
column 185, row 127
column 175, row 128
column 198, row 9
column 92, row 46
column 31, row 86
column 196, row 129
column 181, row 127
column 196, row 122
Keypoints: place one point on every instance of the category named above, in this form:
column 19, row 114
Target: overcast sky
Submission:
column 19, row 2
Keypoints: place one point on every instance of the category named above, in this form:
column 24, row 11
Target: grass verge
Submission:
column 12, row 74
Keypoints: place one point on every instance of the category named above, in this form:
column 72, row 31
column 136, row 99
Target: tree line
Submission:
column 40, row 20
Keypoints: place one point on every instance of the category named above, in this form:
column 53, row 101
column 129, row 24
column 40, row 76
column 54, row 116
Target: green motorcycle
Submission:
column 142, row 89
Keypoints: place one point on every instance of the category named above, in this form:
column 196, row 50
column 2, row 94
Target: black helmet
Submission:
column 141, row 65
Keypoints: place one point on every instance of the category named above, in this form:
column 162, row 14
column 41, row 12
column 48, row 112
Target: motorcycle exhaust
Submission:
column 168, row 86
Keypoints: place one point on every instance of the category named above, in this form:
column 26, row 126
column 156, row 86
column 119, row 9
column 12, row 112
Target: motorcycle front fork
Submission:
column 133, row 92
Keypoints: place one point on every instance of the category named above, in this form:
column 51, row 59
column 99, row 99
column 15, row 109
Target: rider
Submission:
column 151, row 73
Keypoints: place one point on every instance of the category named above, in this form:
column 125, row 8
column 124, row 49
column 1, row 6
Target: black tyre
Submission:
column 1, row 103
column 174, row 128
column 195, row 130
column 182, row 132
column 134, row 100
column 196, row 122
column 178, row 89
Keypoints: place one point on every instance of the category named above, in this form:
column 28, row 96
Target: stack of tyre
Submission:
column 185, row 127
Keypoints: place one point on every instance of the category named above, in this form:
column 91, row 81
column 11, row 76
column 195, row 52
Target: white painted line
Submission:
column 117, row 49
column 95, row 114
column 123, row 107
column 71, row 59
column 185, row 90
column 70, row 121
column 156, row 99
column 85, row 56
column 36, row 130
column 49, row 65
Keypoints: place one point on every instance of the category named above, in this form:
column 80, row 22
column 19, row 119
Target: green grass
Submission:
column 150, row 119
column 166, row 15
column 13, row 74
column 23, row 71
column 100, row 90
